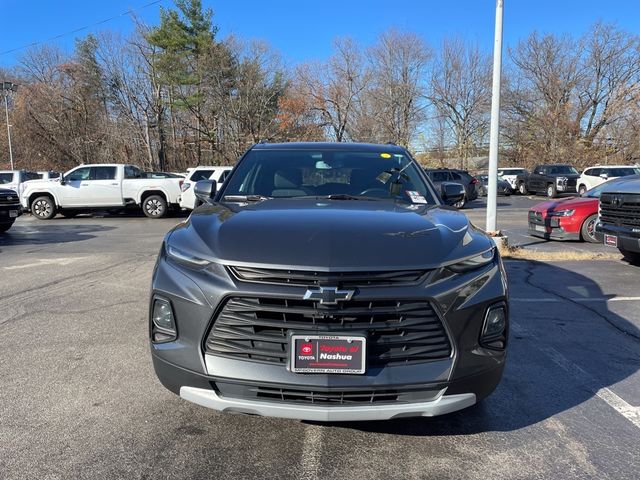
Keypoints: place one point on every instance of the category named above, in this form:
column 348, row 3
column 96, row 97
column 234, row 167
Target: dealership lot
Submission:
column 79, row 398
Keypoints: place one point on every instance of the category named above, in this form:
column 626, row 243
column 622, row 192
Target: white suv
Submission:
column 594, row 176
column 511, row 175
column 188, row 199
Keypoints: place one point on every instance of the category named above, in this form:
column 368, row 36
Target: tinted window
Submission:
column 132, row 172
column 302, row 173
column 224, row 175
column 623, row 172
column 6, row 178
column 104, row 173
column 592, row 172
column 561, row 169
column 201, row 175
column 439, row 176
column 80, row 174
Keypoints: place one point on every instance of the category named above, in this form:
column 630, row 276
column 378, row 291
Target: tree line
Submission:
column 175, row 95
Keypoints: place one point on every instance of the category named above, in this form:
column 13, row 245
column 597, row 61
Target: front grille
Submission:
column 621, row 209
column 340, row 279
column 9, row 199
column 535, row 216
column 398, row 331
column 324, row 396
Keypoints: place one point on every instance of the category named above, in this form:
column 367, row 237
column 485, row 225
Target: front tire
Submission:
column 5, row 226
column 522, row 188
column 43, row 208
column 588, row 229
column 154, row 206
column 551, row 191
column 582, row 189
column 631, row 257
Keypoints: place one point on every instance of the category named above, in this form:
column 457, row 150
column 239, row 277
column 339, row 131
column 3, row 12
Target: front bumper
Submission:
column 470, row 374
column 9, row 212
column 628, row 239
column 554, row 228
column 443, row 404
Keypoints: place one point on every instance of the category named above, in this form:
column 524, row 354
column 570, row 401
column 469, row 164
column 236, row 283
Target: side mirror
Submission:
column 604, row 175
column 452, row 193
column 62, row 179
column 205, row 190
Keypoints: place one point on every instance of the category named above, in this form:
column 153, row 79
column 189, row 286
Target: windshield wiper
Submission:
column 245, row 198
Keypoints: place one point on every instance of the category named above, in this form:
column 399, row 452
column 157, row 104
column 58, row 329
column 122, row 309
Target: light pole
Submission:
column 492, row 193
column 7, row 87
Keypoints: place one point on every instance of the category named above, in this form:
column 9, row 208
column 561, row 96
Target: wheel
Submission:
column 551, row 191
column 582, row 189
column 69, row 213
column 154, row 206
column 460, row 204
column 632, row 257
column 5, row 226
column 588, row 229
column 43, row 208
column 522, row 188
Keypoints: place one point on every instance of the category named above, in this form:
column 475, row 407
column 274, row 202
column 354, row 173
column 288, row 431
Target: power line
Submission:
column 128, row 12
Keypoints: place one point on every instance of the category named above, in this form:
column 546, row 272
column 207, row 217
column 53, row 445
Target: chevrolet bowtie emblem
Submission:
column 328, row 295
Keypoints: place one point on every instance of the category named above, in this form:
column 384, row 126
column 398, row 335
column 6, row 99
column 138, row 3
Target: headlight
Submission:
column 562, row 213
column 472, row 263
column 185, row 258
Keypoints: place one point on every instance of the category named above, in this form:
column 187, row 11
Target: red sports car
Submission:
column 572, row 218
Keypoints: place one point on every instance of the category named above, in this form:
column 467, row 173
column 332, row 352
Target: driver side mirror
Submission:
column 452, row 193
column 205, row 190
column 62, row 179
column 604, row 175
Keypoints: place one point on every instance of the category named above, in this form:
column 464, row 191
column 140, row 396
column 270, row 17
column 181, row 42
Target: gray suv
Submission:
column 327, row 282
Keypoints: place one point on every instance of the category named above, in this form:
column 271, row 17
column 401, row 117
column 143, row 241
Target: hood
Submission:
column 567, row 175
column 566, row 204
column 630, row 184
column 329, row 235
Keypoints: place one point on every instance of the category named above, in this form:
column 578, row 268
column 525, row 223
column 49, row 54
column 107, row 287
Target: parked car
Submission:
column 10, row 208
column 619, row 220
column 217, row 174
column 441, row 175
column 15, row 179
column 594, row 176
column 572, row 218
column 549, row 180
column 510, row 174
column 324, row 282
column 504, row 187
column 101, row 186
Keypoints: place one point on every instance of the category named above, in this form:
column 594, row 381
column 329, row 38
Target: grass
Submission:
column 519, row 253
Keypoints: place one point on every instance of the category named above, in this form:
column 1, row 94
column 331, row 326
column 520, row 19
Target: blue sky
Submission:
column 303, row 30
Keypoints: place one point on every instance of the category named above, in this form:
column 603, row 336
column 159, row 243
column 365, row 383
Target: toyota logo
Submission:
column 617, row 200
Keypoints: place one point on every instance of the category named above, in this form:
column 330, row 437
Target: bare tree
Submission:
column 400, row 61
column 460, row 92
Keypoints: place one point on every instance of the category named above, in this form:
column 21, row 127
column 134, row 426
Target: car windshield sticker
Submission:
column 416, row 197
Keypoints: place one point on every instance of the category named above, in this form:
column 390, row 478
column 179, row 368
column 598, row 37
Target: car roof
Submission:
column 612, row 166
column 342, row 146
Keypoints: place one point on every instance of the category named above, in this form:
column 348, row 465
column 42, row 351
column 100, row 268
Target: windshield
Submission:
column 562, row 169
column 323, row 173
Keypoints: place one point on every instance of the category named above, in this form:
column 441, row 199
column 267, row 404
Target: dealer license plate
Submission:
column 611, row 240
column 540, row 228
column 328, row 353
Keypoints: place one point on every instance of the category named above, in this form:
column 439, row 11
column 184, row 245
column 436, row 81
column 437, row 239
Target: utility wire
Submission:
column 128, row 12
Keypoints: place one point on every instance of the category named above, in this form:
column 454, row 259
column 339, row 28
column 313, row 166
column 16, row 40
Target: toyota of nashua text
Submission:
column 329, row 282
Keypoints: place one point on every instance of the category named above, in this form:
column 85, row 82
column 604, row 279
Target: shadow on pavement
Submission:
column 51, row 232
column 600, row 346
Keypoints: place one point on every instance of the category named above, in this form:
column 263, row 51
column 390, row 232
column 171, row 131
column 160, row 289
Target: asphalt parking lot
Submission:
column 79, row 398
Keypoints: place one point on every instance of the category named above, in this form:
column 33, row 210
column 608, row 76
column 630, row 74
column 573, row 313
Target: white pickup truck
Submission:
column 98, row 187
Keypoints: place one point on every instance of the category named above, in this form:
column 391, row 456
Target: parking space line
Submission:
column 311, row 450
column 612, row 399
column 45, row 261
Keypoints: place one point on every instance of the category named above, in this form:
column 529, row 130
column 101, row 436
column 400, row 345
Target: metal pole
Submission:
column 492, row 194
column 6, row 111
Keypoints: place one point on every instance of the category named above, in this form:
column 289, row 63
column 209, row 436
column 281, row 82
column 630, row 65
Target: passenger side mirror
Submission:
column 452, row 193
column 604, row 175
column 205, row 190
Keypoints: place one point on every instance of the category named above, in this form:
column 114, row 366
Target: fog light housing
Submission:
column 163, row 321
column 494, row 329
